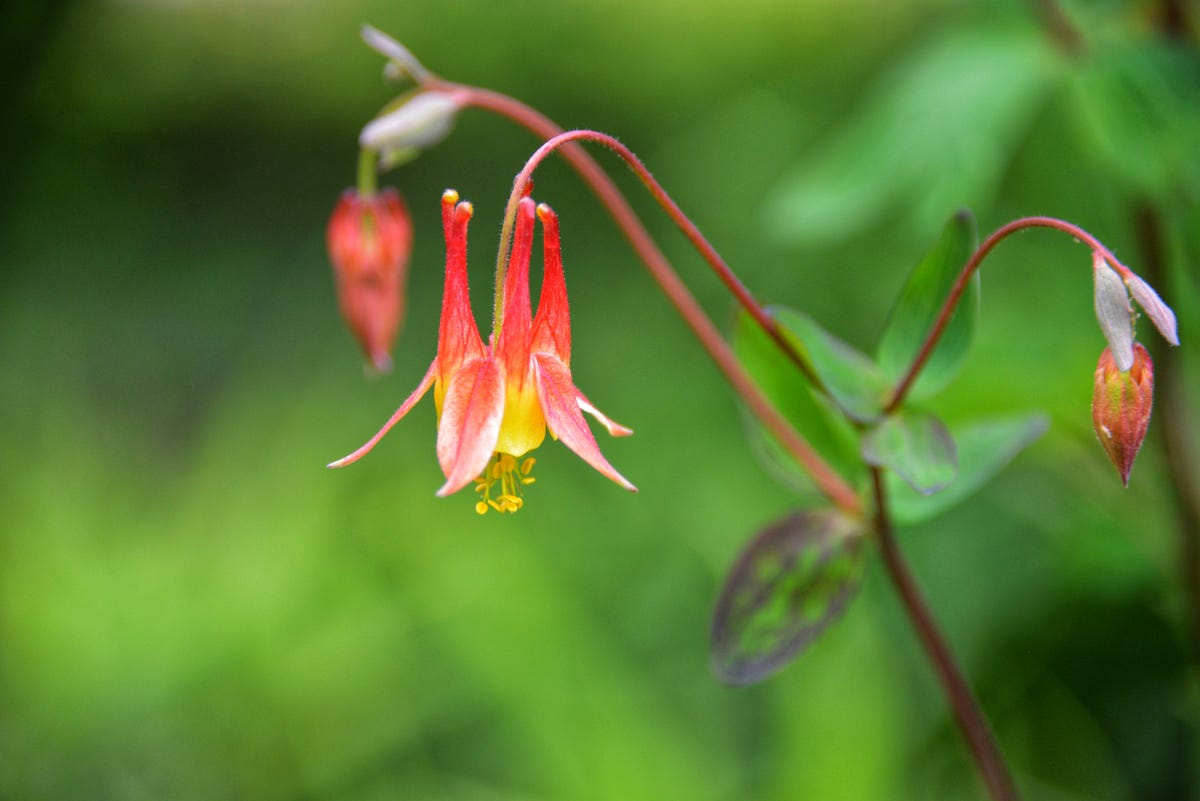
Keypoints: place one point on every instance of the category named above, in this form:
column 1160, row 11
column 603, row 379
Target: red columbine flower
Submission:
column 369, row 239
column 1121, row 407
column 495, row 401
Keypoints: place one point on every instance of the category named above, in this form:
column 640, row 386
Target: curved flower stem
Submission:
column 825, row 477
column 827, row 480
column 608, row 193
column 960, row 286
column 970, row 717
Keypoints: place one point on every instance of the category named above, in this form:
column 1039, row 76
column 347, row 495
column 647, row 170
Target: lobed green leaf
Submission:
column 984, row 448
column 917, row 447
column 825, row 428
column 849, row 378
column 921, row 302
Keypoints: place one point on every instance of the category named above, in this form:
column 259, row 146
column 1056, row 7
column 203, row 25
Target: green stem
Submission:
column 367, row 172
column 967, row 712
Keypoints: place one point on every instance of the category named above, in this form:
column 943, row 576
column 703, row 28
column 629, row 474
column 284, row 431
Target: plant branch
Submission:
column 960, row 286
column 970, row 717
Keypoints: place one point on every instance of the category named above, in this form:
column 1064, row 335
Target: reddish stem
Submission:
column 970, row 717
column 960, row 286
column 608, row 193
column 827, row 480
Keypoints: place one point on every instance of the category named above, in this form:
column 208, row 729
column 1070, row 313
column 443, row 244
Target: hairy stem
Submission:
column 960, row 286
column 970, row 717
column 824, row 476
column 827, row 480
column 608, row 193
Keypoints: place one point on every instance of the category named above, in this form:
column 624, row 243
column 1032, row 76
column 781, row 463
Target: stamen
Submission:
column 511, row 475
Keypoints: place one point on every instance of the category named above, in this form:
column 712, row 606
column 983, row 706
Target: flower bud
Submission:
column 417, row 121
column 369, row 240
column 1121, row 407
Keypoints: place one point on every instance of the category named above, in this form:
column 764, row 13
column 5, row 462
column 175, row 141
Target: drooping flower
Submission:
column 495, row 401
column 1121, row 407
column 369, row 239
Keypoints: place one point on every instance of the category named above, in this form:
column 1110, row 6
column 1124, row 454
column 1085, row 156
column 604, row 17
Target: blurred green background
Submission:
column 191, row 607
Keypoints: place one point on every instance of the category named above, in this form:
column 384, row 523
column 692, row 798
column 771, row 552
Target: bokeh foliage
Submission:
column 192, row 608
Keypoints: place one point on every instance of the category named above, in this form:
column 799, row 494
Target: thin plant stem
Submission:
column 367, row 175
column 827, row 480
column 964, row 277
column 971, row 720
column 612, row 199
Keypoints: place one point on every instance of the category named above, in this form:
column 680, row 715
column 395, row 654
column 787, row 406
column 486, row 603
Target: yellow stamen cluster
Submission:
column 503, row 470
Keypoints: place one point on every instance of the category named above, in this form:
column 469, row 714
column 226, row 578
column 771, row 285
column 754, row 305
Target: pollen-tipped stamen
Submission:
column 508, row 476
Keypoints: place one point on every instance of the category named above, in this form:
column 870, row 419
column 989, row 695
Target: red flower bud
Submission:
column 1121, row 407
column 369, row 242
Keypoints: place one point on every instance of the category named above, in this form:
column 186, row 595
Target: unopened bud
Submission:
column 369, row 240
column 1121, row 407
column 420, row 121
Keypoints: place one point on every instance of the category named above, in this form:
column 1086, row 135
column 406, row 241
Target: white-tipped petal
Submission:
column 1159, row 313
column 1114, row 312
column 395, row 52
column 421, row 122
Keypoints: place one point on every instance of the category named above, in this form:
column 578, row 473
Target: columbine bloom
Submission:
column 495, row 401
column 370, row 238
column 1121, row 407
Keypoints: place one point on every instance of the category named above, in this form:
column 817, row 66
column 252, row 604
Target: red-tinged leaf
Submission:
column 788, row 585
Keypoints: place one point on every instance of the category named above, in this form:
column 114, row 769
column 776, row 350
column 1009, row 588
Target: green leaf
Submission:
column 936, row 133
column 852, row 380
column 787, row 586
column 920, row 304
column 1138, row 108
column 825, row 428
column 915, row 446
column 984, row 448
